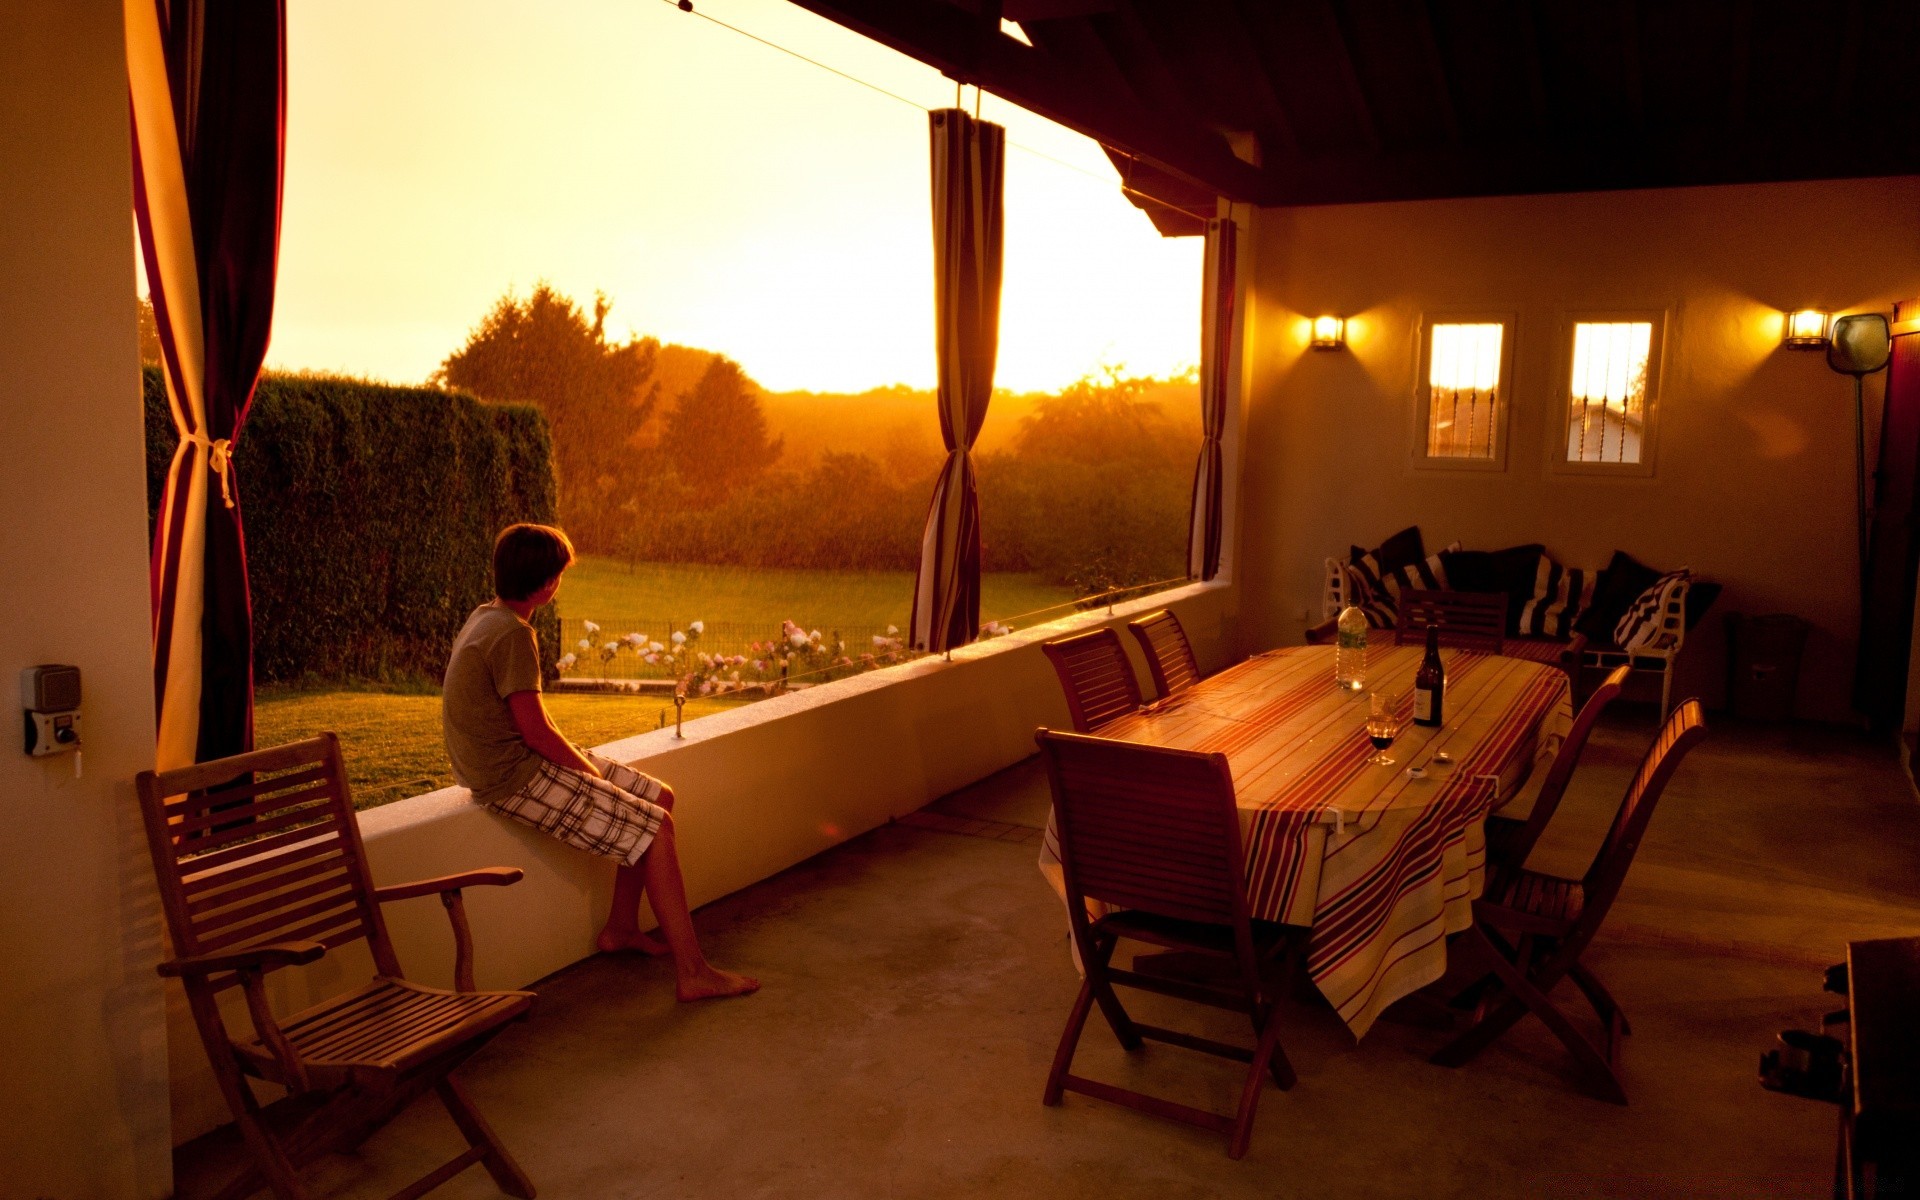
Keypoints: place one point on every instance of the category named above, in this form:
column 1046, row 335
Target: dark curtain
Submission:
column 967, row 178
column 208, row 89
column 1207, row 520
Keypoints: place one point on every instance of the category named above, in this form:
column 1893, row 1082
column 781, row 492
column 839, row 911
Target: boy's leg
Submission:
column 695, row 978
column 622, row 930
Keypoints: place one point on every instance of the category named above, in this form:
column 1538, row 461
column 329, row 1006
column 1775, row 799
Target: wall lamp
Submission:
column 1807, row 329
column 1329, row 333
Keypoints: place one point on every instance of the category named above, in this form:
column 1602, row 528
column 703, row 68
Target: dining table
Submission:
column 1379, row 863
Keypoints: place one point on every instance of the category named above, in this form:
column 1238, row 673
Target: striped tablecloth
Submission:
column 1381, row 865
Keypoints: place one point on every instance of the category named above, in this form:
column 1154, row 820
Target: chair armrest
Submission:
column 255, row 958
column 1321, row 634
column 1576, row 646
column 484, row 876
column 447, row 887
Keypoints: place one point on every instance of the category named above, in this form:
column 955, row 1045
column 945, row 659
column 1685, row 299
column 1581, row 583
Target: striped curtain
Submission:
column 1206, row 519
column 208, row 87
column 967, row 159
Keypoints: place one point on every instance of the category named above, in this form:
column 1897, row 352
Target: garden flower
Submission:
column 697, row 626
column 893, row 631
column 651, row 658
column 706, row 689
column 585, row 644
column 798, row 639
column 679, row 638
column 565, row 661
column 814, row 636
column 636, row 640
column 759, row 665
column 656, row 647
column 590, row 627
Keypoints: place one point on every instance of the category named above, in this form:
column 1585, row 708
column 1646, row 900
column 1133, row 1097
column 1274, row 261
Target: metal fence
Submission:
column 618, row 650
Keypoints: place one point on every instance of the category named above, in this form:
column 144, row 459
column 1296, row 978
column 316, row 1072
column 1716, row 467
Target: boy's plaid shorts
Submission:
column 614, row 817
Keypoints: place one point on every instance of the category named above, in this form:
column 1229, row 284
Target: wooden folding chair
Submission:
column 1532, row 932
column 261, row 867
column 1154, row 833
column 1170, row 658
column 1510, row 840
column 1095, row 674
column 1467, row 620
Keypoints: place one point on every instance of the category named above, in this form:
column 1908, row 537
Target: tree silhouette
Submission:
column 596, row 395
column 149, row 333
column 716, row 436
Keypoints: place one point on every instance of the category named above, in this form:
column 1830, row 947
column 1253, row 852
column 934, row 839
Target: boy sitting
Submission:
column 506, row 750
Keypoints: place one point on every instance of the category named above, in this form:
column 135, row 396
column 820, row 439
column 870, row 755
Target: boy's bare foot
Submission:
column 611, row 940
column 711, row 983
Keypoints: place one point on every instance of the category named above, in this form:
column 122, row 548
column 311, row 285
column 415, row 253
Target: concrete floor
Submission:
column 917, row 978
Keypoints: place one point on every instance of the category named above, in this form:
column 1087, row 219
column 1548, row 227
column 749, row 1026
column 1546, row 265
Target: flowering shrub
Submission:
column 767, row 666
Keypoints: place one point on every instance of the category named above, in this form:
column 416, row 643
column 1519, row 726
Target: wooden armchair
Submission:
column 1531, row 931
column 1170, row 658
column 1467, row 620
column 261, row 867
column 1154, row 834
column 1511, row 839
column 1096, row 676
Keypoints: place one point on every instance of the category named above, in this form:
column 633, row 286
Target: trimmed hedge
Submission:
column 370, row 514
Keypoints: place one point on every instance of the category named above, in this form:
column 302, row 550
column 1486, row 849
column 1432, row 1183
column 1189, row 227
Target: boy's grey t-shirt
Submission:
column 496, row 655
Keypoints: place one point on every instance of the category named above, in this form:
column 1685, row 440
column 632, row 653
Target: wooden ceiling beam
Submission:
column 1349, row 70
column 1437, row 66
column 1529, row 28
column 951, row 40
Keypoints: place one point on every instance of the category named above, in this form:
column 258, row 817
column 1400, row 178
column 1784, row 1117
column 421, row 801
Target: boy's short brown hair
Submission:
column 526, row 558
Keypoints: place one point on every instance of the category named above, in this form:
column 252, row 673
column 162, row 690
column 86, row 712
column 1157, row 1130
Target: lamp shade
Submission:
column 1807, row 328
column 1329, row 333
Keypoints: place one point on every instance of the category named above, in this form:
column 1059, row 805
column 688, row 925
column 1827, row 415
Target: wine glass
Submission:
column 1383, row 725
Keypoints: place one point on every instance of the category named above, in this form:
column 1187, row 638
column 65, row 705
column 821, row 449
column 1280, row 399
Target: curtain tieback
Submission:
column 219, row 461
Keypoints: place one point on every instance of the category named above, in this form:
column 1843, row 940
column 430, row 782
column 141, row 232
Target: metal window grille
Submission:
column 1607, row 411
column 1463, row 389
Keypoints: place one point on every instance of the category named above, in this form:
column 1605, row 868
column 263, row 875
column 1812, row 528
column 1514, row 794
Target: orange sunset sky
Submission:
column 723, row 195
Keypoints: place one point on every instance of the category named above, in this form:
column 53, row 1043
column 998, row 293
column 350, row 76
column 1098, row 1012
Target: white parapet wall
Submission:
column 757, row 790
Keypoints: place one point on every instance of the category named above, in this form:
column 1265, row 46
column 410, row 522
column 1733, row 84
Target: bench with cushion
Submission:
column 1625, row 614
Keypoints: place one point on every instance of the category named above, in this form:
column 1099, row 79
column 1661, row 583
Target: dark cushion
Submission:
column 1403, row 549
column 1509, row 572
column 1701, row 594
column 1623, row 581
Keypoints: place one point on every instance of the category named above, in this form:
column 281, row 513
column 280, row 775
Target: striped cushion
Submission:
column 1364, row 593
column 1560, row 596
column 1428, row 574
column 1640, row 628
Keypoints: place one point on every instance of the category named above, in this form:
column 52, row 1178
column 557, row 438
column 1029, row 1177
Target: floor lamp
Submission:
column 1861, row 344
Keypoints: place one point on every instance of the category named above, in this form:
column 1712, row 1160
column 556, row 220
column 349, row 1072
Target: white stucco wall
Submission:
column 83, row 1084
column 758, row 790
column 1752, row 482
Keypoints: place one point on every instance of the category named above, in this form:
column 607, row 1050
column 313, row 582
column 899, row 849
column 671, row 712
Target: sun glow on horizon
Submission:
column 720, row 193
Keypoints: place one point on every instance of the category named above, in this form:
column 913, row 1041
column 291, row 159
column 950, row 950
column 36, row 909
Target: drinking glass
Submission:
column 1382, row 727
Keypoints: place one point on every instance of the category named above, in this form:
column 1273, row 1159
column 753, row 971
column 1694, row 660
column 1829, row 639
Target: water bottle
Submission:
column 1350, row 650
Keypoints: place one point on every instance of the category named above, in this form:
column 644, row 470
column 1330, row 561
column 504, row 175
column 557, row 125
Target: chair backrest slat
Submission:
column 1554, row 788
column 261, row 848
column 1096, row 676
column 1147, row 828
column 1468, row 620
column 1686, row 727
column 1169, row 655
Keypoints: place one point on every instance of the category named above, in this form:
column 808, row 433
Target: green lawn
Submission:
column 604, row 589
column 392, row 740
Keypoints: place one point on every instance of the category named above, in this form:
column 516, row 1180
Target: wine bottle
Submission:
column 1430, row 684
